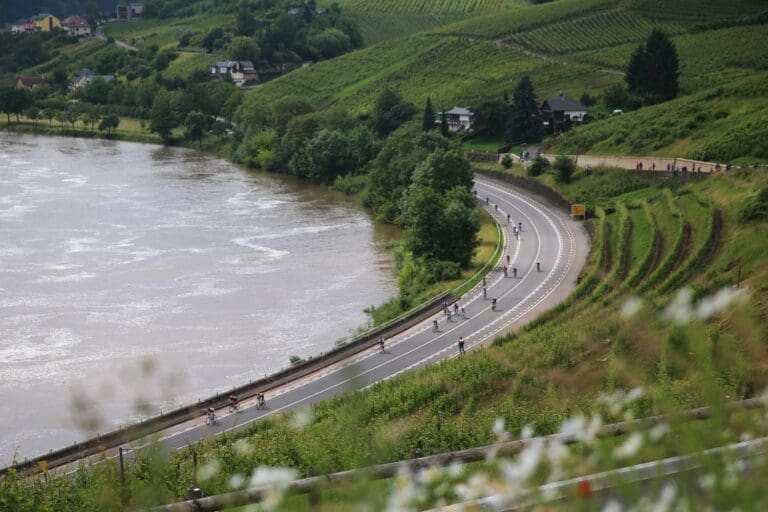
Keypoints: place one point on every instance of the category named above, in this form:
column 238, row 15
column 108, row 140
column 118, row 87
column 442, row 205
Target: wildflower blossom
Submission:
column 631, row 307
column 719, row 302
column 302, row 418
column 679, row 311
column 236, row 481
column 658, row 431
column 208, row 470
column 629, row 447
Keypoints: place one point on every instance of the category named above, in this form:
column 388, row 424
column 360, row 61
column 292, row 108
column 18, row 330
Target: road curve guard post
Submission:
column 579, row 210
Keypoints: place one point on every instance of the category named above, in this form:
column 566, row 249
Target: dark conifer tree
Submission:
column 444, row 123
column 429, row 116
column 653, row 68
column 525, row 122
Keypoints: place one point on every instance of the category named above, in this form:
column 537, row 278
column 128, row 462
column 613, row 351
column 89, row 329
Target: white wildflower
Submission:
column 236, row 481
column 746, row 436
column 518, row 472
column 499, row 430
column 707, row 482
column 428, row 475
column 666, row 499
column 595, row 424
column 722, row 300
column 629, row 447
column 634, row 394
column 476, row 487
column 243, row 447
column 631, row 307
column 302, row 418
column 276, row 477
column 613, row 506
column 527, row 432
column 679, row 311
column 208, row 470
column 574, row 427
column 455, row 469
column 658, row 431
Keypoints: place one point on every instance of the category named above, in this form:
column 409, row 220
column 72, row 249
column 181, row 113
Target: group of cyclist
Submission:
column 234, row 406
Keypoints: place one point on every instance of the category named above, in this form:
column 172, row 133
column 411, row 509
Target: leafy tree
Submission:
column 524, row 123
column 443, row 170
column 587, row 100
column 653, row 68
column 162, row 117
column 91, row 118
column 538, row 166
column 219, row 128
column 442, row 226
column 491, row 117
column 506, row 162
column 429, row 117
column 285, row 109
column 195, row 125
column 243, row 48
column 390, row 111
column 32, row 113
column 564, row 168
column 615, row 97
column 71, row 116
column 245, row 23
column 109, row 123
column 329, row 43
column 444, row 124
column 49, row 114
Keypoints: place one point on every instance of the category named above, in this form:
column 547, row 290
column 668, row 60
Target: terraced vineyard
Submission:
column 382, row 26
column 605, row 29
column 429, row 6
column 696, row 11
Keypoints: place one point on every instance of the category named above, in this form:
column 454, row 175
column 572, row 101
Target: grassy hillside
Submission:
column 721, row 124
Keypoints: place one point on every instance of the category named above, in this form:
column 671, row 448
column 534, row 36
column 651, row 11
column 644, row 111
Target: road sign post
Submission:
column 579, row 210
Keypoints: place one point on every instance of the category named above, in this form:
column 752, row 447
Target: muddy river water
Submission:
column 134, row 278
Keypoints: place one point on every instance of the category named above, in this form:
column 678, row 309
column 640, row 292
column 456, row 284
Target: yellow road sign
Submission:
column 578, row 210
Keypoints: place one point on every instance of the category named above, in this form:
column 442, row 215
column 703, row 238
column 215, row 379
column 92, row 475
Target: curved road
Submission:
column 548, row 237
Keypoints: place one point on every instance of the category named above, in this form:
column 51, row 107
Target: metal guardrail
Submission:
column 363, row 341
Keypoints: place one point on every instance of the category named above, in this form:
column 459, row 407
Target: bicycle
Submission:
column 234, row 408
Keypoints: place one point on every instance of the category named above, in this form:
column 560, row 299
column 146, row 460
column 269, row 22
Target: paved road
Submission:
column 548, row 237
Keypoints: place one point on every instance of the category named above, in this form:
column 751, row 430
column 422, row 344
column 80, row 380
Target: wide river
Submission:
column 134, row 278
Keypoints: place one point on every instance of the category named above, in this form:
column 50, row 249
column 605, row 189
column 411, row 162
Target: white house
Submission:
column 459, row 119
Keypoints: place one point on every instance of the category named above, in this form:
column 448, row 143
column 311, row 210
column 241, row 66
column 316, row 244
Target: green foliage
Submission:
column 564, row 168
column 537, row 166
column 506, row 162
column 163, row 117
column 428, row 123
column 389, row 112
column 109, row 123
column 653, row 68
column 755, row 208
column 491, row 117
column 524, row 123
column 243, row 48
column 332, row 153
column 14, row 100
column 195, row 125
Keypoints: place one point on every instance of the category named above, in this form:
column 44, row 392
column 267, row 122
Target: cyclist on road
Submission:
column 434, row 325
column 461, row 346
column 463, row 313
column 505, row 271
column 381, row 344
column 514, row 271
column 234, row 403
column 485, row 293
column 210, row 415
column 493, row 304
column 519, row 226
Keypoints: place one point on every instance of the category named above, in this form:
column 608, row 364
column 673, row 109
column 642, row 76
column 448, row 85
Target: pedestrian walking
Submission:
column 483, row 281
column 485, row 293
column 461, row 346
column 514, row 272
column 538, row 267
column 507, row 218
column 507, row 259
column 519, row 226
column 505, row 271
column 434, row 325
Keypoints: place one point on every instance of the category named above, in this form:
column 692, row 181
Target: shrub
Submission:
column 538, row 166
column 506, row 161
column 564, row 167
